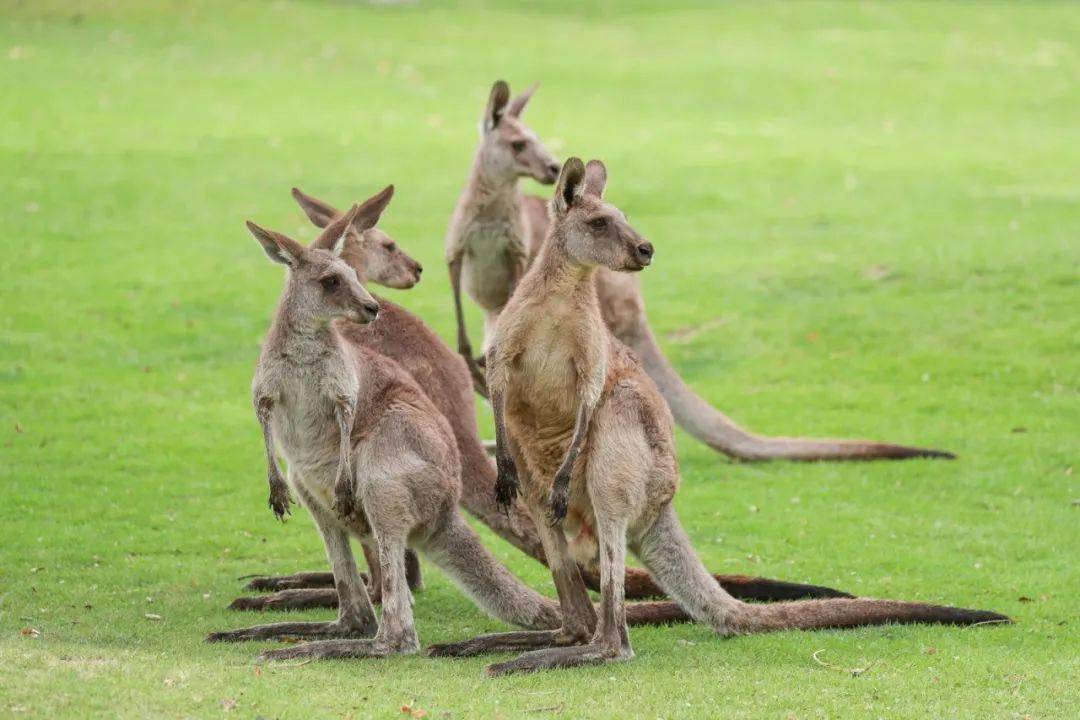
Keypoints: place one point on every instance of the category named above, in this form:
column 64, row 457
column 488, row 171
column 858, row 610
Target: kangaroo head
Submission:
column 509, row 149
column 368, row 250
column 321, row 286
column 594, row 232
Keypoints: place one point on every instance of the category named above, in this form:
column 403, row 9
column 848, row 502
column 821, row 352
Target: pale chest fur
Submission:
column 550, row 374
column 491, row 239
column 303, row 421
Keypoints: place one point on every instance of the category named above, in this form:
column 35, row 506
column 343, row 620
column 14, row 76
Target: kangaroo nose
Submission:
column 645, row 252
column 554, row 168
column 419, row 268
column 371, row 308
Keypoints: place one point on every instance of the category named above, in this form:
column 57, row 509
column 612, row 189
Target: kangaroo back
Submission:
column 667, row 553
column 457, row 550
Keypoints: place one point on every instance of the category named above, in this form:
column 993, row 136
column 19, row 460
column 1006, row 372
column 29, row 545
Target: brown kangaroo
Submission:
column 368, row 455
column 494, row 221
column 586, row 430
column 404, row 338
column 486, row 242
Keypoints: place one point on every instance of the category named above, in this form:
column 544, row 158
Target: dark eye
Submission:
column 518, row 145
column 329, row 283
column 598, row 223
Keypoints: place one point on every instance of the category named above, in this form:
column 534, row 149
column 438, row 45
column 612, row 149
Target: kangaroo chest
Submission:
column 494, row 257
column 543, row 393
column 303, row 420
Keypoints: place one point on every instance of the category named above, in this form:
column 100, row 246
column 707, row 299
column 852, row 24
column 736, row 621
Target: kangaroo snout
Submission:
column 644, row 252
column 369, row 310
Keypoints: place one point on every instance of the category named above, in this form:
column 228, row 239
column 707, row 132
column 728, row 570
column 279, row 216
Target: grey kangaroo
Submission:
column 585, row 436
column 368, row 455
column 496, row 231
column 404, row 338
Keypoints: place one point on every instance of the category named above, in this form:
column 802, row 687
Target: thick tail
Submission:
column 720, row 432
column 458, row 551
column 667, row 552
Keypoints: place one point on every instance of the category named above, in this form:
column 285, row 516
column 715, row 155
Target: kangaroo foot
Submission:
column 270, row 583
column 504, row 642
column 302, row 599
column 560, row 657
column 293, row 631
column 331, row 649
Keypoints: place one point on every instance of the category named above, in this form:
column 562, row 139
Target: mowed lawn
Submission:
column 867, row 223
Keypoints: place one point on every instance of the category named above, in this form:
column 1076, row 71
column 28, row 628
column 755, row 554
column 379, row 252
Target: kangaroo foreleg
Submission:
column 279, row 490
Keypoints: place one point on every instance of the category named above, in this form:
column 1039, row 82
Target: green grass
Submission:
column 873, row 209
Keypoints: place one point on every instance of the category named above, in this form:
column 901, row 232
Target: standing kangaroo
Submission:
column 405, row 339
column 492, row 215
column 589, row 435
column 368, row 455
column 486, row 244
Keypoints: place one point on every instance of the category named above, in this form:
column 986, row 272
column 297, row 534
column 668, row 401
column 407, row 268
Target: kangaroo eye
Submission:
column 329, row 283
column 518, row 145
column 598, row 223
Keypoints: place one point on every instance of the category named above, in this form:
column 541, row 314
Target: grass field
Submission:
column 869, row 213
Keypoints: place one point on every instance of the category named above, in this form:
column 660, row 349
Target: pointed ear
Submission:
column 319, row 212
column 279, row 248
column 517, row 105
column 570, row 185
column 496, row 105
column 595, row 178
column 333, row 237
column 372, row 208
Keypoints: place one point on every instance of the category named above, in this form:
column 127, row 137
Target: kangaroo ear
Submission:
column 496, row 105
column 517, row 105
column 371, row 209
column 319, row 212
column 595, row 178
column 334, row 236
column 570, row 185
column 279, row 248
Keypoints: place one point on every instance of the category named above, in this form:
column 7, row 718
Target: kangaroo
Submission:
column 492, row 224
column 584, row 435
column 368, row 455
column 404, row 338
column 486, row 246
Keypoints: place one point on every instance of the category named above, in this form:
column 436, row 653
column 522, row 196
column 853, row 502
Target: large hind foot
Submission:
column 271, row 583
column 560, row 657
column 304, row 599
column 294, row 631
column 504, row 642
column 332, row 649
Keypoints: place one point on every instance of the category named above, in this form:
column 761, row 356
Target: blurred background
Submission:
column 866, row 223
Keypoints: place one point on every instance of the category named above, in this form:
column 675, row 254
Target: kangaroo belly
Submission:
column 490, row 266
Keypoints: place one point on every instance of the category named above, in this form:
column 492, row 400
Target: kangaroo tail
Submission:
column 666, row 551
column 721, row 433
column 457, row 550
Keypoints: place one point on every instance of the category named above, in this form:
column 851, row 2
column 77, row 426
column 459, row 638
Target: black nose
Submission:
column 419, row 268
column 554, row 168
column 645, row 252
column 372, row 308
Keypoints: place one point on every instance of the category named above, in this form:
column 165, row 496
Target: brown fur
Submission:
column 561, row 383
column 369, row 456
column 405, row 338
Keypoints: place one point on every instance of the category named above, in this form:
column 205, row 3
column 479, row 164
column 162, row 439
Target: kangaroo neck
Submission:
column 489, row 189
column 299, row 339
column 558, row 277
